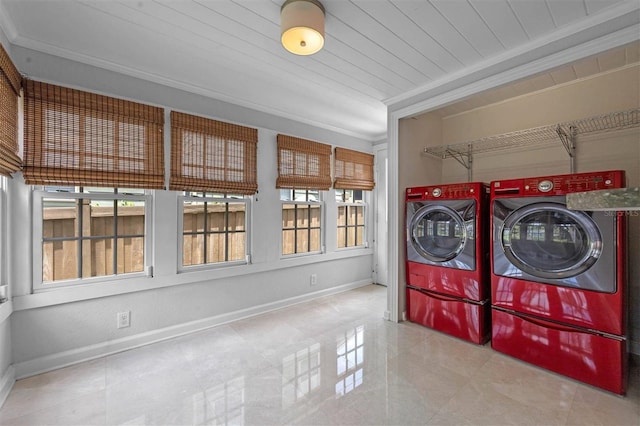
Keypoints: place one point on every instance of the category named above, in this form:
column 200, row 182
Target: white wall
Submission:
column 415, row 169
column 614, row 91
column 62, row 326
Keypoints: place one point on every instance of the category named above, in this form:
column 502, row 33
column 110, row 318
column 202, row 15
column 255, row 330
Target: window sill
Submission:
column 61, row 295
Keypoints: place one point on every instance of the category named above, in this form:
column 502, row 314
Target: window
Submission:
column 85, row 150
column 351, row 223
column 215, row 164
column 214, row 228
column 89, row 233
column 304, row 169
column 301, row 221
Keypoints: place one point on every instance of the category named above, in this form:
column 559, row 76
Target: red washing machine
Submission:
column 558, row 278
column 447, row 259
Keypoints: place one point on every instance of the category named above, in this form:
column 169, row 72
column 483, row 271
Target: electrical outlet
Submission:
column 313, row 279
column 123, row 319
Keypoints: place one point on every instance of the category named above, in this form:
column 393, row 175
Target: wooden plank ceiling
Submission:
column 375, row 50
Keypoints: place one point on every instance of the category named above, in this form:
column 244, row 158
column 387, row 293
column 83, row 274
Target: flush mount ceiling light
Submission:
column 302, row 26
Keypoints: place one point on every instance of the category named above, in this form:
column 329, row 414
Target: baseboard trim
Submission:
column 87, row 353
column 6, row 384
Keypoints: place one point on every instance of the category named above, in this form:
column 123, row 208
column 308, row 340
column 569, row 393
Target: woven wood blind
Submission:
column 79, row 138
column 303, row 164
column 9, row 91
column 212, row 156
column 353, row 170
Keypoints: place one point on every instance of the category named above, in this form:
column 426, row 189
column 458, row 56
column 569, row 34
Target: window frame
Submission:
column 39, row 194
column 365, row 224
column 320, row 202
column 246, row 199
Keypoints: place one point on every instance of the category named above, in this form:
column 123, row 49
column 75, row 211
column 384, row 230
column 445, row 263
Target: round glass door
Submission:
column 549, row 241
column 438, row 233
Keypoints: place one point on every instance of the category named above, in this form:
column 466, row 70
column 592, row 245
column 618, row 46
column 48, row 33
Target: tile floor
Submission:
column 331, row 361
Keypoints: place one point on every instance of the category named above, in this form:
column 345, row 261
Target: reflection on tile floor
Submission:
column 331, row 361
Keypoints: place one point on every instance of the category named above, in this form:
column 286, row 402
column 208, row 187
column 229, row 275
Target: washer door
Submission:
column 547, row 240
column 438, row 233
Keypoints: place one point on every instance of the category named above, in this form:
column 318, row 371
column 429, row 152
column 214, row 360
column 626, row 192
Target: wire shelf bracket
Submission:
column 568, row 139
column 464, row 158
column 537, row 137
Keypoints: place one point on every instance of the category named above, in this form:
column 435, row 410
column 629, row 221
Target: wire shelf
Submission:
column 540, row 136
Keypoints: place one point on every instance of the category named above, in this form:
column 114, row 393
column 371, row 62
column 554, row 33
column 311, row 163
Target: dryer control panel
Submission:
column 456, row 191
column 559, row 184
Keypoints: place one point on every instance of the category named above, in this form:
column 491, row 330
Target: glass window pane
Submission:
column 193, row 250
column 59, row 218
column 237, row 244
column 302, row 216
column 315, row 215
column 360, row 215
column 351, row 236
column 216, row 217
column 348, row 196
column 130, row 255
column 302, row 241
column 288, row 242
column 193, row 216
column 99, row 223
column 131, row 218
column 59, row 260
column 288, row 216
column 97, row 257
column 237, row 216
column 342, row 238
column 286, row 195
column 352, row 216
column 315, row 240
column 342, row 215
column 215, row 248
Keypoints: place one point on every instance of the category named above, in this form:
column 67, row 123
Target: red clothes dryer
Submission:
column 558, row 278
column 447, row 259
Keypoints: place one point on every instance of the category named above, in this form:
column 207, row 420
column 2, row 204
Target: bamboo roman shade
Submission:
column 303, row 164
column 9, row 91
column 212, row 156
column 79, row 138
column 353, row 170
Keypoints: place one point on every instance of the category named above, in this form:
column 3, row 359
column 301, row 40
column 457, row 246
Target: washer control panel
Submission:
column 559, row 185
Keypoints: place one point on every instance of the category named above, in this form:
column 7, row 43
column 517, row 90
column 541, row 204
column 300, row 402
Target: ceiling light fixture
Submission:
column 302, row 26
